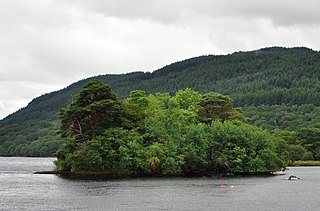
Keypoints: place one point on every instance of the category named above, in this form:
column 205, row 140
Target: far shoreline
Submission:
column 304, row 163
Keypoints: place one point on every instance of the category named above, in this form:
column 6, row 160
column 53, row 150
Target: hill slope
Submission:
column 276, row 87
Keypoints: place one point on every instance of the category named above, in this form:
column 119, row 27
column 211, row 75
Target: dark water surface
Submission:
column 20, row 189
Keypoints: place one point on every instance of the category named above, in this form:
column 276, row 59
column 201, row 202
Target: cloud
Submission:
column 46, row 45
column 280, row 12
column 7, row 107
column 17, row 94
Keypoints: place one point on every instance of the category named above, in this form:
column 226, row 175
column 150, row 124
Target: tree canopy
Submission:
column 91, row 111
column 186, row 134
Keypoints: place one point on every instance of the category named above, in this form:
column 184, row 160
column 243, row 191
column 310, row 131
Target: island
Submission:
column 184, row 134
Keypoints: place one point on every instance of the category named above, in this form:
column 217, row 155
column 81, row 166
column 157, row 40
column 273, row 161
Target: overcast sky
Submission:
column 46, row 45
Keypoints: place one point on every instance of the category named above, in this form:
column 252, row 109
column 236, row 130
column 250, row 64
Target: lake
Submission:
column 20, row 189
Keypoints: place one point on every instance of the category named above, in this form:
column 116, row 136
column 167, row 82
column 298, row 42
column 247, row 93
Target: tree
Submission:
column 214, row 106
column 132, row 116
column 245, row 148
column 91, row 111
column 310, row 138
column 187, row 99
column 138, row 97
column 296, row 152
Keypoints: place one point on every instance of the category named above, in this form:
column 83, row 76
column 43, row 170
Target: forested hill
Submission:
column 276, row 87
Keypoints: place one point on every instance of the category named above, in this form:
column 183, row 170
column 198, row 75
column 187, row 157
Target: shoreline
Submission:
column 104, row 175
column 305, row 163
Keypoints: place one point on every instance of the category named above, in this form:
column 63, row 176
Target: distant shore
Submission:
column 306, row 163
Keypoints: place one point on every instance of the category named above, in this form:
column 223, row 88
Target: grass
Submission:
column 306, row 163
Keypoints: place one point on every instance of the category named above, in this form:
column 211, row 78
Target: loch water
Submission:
column 21, row 189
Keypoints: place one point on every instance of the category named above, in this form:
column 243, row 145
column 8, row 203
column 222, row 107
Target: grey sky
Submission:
column 47, row 44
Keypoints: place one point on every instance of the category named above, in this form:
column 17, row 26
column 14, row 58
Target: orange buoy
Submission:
column 222, row 186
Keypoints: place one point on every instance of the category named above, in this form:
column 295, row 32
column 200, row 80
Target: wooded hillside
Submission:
column 277, row 88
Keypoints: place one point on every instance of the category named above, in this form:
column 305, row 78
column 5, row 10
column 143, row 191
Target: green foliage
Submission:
column 215, row 106
column 138, row 97
column 247, row 148
column 304, row 144
column 41, row 148
column 284, row 117
column 166, row 135
column 310, row 139
column 91, row 111
column 195, row 147
column 19, row 141
column 307, row 156
column 116, row 149
column 132, row 116
column 296, row 152
column 187, row 99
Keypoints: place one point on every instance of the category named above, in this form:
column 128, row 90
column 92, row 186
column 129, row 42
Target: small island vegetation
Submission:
column 189, row 133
